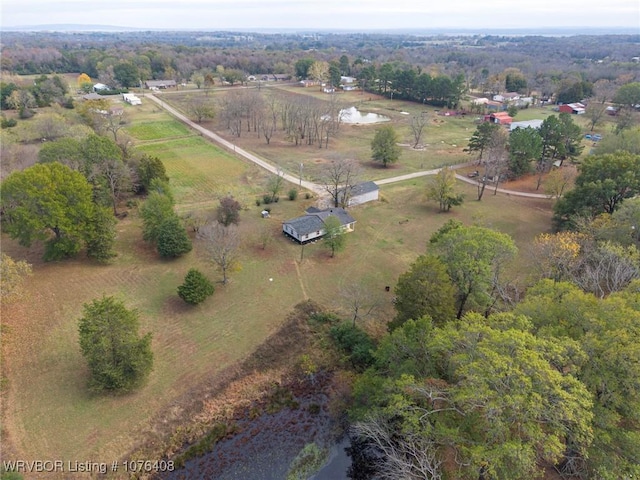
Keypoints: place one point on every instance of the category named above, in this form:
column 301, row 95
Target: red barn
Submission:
column 501, row 118
column 572, row 108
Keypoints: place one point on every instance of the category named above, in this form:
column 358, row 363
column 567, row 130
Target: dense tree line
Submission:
column 548, row 383
column 568, row 65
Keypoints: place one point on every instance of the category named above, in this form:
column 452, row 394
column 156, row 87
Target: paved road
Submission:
column 314, row 187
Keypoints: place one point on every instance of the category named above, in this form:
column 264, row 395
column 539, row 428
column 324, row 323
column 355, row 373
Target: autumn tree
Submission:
column 556, row 256
column 13, row 274
column 119, row 358
column 442, row 189
column 384, row 146
column 319, row 71
column 84, row 82
column 228, row 211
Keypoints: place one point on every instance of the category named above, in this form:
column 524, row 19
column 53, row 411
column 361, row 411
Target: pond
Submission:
column 352, row 115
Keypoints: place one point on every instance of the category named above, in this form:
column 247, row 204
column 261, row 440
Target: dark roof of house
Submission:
column 93, row 96
column 364, row 187
column 314, row 219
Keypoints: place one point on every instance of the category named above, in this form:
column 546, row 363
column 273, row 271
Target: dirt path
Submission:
column 314, row 187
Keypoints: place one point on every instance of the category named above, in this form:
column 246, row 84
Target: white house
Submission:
column 99, row 87
column 360, row 193
column 311, row 225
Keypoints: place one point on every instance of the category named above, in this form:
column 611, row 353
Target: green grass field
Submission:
column 49, row 414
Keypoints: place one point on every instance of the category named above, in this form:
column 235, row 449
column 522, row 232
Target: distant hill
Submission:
column 70, row 28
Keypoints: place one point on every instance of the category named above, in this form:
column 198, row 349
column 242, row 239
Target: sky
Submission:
column 324, row 14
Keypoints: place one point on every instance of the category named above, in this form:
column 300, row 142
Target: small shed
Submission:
column 311, row 226
column 361, row 193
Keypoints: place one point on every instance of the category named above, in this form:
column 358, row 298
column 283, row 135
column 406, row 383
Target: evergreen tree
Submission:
column 172, row 240
column 196, row 287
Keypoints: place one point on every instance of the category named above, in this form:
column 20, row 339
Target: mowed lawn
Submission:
column 49, row 414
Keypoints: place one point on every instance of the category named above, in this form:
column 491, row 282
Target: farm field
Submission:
column 48, row 412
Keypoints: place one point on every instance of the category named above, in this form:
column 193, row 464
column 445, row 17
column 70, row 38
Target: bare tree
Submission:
column 200, row 109
column 339, row 179
column 118, row 177
column 222, row 244
column 557, row 181
column 418, row 122
column 359, row 300
column 267, row 116
column 608, row 268
column 495, row 161
column 410, row 456
column 274, row 185
column 114, row 122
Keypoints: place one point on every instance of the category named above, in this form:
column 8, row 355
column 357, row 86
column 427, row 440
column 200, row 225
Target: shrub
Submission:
column 196, row 287
column 258, row 202
column 9, row 122
column 293, row 194
column 307, row 195
column 267, row 199
column 228, row 211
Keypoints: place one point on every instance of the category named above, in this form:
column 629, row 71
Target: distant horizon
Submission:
column 336, row 15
